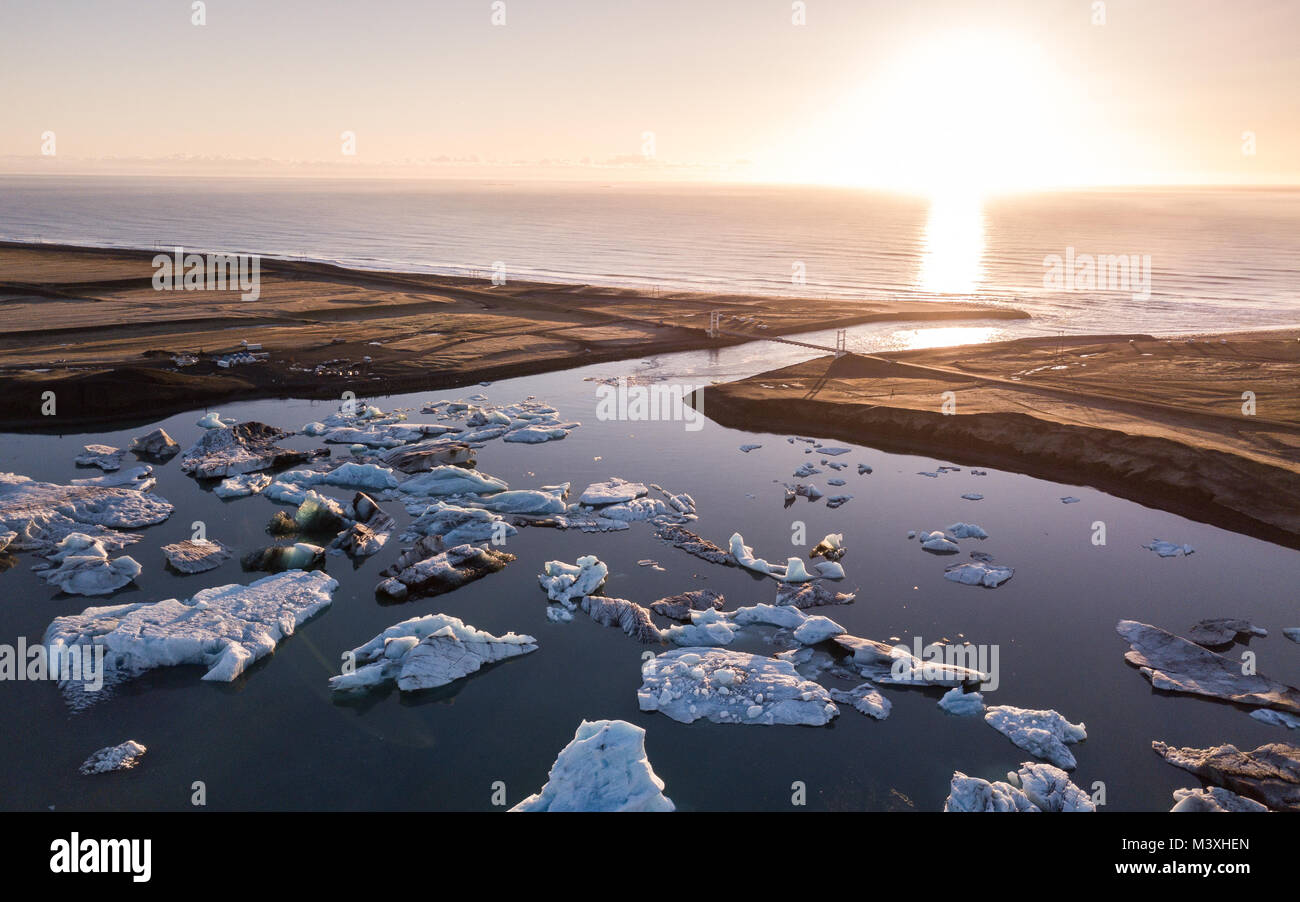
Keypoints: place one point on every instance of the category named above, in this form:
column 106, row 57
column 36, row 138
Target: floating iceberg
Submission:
column 979, row 573
column 1223, row 630
column 139, row 478
column 937, row 543
column 896, row 665
column 707, row 627
column 212, row 420
column 1043, row 734
column 157, row 445
column 427, row 652
column 817, row 629
column 1035, row 787
column 604, row 768
column 1213, row 799
column 864, row 698
column 243, row 448
column 1174, row 664
column 957, row 702
column 42, row 513
column 966, row 531
column 459, row 525
column 368, row 533
column 683, row 538
column 748, row 448
column 534, row 434
column 84, row 567
column 612, row 491
column 278, row 558
column 784, row 616
column 679, row 607
column 106, row 457
column 225, row 628
column 240, row 486
column 731, row 687
column 549, row 499
column 630, row 617
column 810, row 595
column 1270, row 774
column 568, row 583
column 423, row 572
column 1169, row 549
column 453, row 481
column 115, row 757
column 422, row 457
column 196, row 555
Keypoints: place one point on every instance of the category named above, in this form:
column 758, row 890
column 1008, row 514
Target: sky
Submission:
column 923, row 95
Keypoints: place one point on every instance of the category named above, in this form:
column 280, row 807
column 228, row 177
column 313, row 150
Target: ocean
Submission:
column 1217, row 258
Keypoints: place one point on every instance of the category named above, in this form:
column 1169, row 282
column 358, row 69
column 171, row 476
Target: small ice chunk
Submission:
column 106, row 457
column 817, row 629
column 957, row 702
column 1043, row 734
column 115, row 757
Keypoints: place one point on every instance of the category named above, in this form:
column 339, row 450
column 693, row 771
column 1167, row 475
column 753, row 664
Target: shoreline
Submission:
column 105, row 340
column 1153, row 421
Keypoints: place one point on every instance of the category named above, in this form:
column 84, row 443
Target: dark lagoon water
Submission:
column 276, row 739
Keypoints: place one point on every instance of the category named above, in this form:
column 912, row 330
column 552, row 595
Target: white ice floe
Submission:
column 707, row 627
column 139, row 478
column 612, row 491
column 817, row 629
column 115, row 757
column 748, row 448
column 84, row 567
column 897, row 665
column 1292, row 633
column 1214, row 799
column 1069, row 499
column 1222, row 630
column 960, row 703
column 805, row 470
column 604, row 768
column 979, row 573
column 448, row 480
column 938, row 543
column 864, row 698
column 549, row 499
column 348, row 475
column 1276, row 718
column 240, row 486
column 459, row 525
column 832, row 452
column 1035, row 787
column 731, row 687
column 535, row 434
column 106, row 457
column 427, row 652
column 568, row 583
column 196, row 555
column 42, row 513
column 387, row 436
column 1044, row 734
column 225, row 628
column 966, row 531
column 1169, row 549
column 242, row 448
column 780, row 615
column 973, row 496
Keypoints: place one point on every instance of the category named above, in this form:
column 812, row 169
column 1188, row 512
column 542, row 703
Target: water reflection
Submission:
column 942, row 337
column 953, row 262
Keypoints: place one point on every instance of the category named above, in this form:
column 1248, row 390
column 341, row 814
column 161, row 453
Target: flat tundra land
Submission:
column 90, row 325
column 1207, row 427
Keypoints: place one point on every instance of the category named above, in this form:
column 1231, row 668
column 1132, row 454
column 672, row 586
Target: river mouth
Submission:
column 276, row 739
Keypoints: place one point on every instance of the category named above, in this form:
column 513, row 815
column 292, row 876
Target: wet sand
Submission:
column 89, row 325
column 1159, row 421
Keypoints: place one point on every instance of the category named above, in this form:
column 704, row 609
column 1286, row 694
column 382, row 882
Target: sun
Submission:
column 959, row 115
